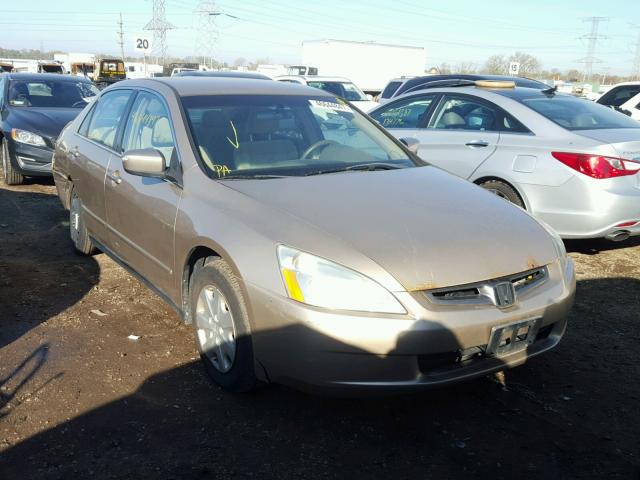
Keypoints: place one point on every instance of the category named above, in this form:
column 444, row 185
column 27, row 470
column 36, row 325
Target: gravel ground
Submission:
column 79, row 399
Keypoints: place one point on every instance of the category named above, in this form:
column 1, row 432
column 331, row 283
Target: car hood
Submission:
column 426, row 228
column 626, row 141
column 48, row 122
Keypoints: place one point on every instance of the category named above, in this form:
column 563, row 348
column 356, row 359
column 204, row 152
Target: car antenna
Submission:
column 550, row 90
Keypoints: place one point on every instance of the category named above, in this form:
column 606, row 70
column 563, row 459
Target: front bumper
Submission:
column 30, row 160
column 315, row 349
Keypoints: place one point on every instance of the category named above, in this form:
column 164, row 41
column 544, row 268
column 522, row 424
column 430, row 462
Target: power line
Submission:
column 593, row 38
column 159, row 25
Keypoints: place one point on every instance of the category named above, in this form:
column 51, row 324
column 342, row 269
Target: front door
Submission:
column 141, row 211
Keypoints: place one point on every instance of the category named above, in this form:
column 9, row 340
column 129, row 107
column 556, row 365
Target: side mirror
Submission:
column 147, row 162
column 411, row 143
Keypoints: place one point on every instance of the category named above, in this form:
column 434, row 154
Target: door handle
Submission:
column 477, row 143
column 115, row 177
column 74, row 152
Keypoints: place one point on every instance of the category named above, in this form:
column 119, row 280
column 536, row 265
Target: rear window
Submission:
column 390, row 89
column 578, row 114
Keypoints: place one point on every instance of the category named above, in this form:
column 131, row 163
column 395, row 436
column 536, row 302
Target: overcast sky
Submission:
column 451, row 31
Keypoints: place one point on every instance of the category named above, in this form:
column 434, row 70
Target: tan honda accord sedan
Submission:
column 304, row 243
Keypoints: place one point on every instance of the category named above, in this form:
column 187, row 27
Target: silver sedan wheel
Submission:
column 215, row 328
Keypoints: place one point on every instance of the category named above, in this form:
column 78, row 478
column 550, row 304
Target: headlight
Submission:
column 319, row 282
column 23, row 136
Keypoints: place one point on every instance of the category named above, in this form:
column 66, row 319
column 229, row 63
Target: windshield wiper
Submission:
column 367, row 167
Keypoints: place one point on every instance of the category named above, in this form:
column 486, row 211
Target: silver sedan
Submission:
column 570, row 162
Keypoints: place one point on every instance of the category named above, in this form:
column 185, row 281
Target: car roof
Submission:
column 515, row 93
column 227, row 74
column 415, row 82
column 45, row 76
column 196, row 86
column 311, row 78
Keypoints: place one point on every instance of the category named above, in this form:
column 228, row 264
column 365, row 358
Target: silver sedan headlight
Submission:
column 319, row 282
column 30, row 138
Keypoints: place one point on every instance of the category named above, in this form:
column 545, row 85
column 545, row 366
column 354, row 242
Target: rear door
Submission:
column 90, row 151
column 461, row 133
column 141, row 211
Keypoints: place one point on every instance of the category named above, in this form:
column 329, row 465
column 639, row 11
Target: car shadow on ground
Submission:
column 538, row 423
column 593, row 246
column 37, row 259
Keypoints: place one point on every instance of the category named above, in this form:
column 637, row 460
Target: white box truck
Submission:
column 369, row 65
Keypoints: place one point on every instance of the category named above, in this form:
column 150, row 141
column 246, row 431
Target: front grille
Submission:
column 478, row 293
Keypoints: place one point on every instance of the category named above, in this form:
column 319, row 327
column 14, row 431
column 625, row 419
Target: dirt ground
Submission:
column 79, row 399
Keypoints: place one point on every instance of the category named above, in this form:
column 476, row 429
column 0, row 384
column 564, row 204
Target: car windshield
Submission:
column 390, row 89
column 51, row 93
column 346, row 90
column 261, row 136
column 575, row 113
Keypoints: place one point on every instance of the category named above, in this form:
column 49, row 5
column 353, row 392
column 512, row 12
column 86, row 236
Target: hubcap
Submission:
column 215, row 328
column 74, row 218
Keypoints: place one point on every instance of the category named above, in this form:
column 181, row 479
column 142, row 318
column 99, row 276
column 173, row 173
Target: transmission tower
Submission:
column 159, row 26
column 207, row 33
column 121, row 37
column 635, row 70
column 592, row 38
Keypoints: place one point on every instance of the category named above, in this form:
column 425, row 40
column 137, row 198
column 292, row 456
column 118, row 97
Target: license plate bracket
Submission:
column 512, row 337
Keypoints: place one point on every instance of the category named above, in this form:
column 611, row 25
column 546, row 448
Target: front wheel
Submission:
column 503, row 190
column 221, row 325
column 77, row 229
column 11, row 177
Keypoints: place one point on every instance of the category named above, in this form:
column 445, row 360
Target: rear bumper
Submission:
column 588, row 208
column 318, row 350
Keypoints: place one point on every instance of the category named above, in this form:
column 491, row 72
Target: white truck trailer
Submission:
column 367, row 64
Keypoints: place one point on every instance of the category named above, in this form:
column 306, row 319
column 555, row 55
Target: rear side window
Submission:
column 465, row 113
column 106, row 117
column 574, row 113
column 619, row 95
column 408, row 113
column 149, row 126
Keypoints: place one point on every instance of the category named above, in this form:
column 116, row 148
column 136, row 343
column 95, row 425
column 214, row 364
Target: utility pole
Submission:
column 121, row 37
column 635, row 70
column 207, row 33
column 159, row 25
column 592, row 38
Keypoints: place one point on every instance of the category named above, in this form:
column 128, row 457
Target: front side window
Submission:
column 575, row 113
column 106, row 117
column 280, row 135
column 408, row 113
column 50, row 93
column 149, row 126
column 346, row 90
column 464, row 113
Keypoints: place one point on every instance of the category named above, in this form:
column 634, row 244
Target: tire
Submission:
column 503, row 190
column 217, row 301
column 77, row 228
column 11, row 177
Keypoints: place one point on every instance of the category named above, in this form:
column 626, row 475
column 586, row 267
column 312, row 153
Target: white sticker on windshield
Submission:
column 327, row 105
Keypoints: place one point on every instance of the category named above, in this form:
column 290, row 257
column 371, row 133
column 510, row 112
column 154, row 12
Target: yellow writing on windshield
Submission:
column 221, row 170
column 236, row 143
